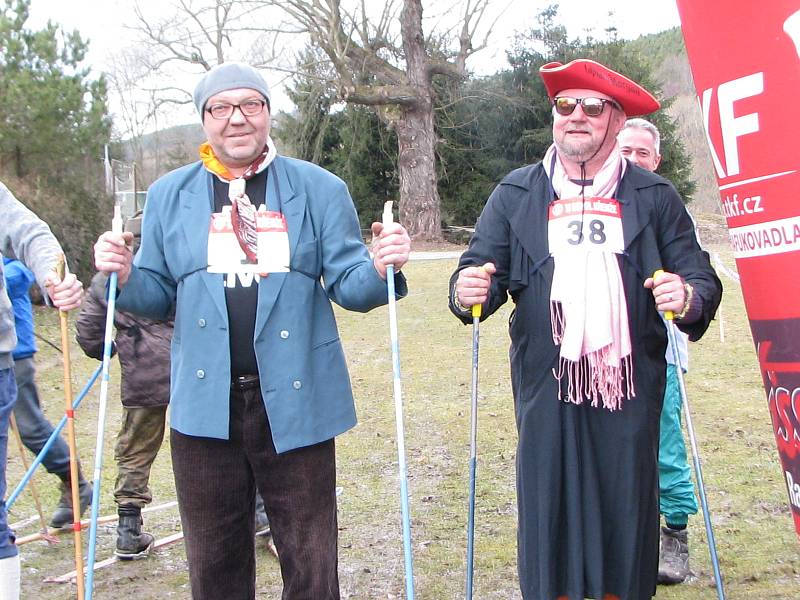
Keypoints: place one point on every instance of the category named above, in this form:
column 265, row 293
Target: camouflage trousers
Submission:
column 138, row 443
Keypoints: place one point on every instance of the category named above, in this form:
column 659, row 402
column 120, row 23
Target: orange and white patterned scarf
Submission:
column 244, row 215
column 215, row 166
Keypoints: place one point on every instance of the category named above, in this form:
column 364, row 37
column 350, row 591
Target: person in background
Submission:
column 142, row 347
column 28, row 238
column 249, row 248
column 575, row 241
column 640, row 142
column 33, row 426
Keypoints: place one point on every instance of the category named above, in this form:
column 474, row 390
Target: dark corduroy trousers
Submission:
column 216, row 482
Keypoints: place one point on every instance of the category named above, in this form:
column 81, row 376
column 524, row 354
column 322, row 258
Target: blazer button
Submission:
column 284, row 334
column 297, row 384
column 200, row 373
column 201, row 322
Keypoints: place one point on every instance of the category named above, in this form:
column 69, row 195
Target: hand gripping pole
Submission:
column 116, row 227
column 398, row 412
column 473, row 446
column 698, row 471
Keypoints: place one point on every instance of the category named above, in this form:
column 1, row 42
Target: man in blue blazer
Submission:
column 250, row 248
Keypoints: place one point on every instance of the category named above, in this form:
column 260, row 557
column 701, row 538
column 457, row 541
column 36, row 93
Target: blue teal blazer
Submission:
column 304, row 380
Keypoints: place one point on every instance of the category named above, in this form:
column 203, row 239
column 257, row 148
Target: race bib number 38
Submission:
column 587, row 225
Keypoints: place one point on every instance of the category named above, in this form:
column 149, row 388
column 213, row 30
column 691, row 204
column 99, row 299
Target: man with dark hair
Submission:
column 250, row 248
column 575, row 241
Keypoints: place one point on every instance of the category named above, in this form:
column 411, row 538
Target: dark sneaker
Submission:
column 673, row 561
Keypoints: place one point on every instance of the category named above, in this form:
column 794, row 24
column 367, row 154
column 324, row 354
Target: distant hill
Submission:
column 161, row 151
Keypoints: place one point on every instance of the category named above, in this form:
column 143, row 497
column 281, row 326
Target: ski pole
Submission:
column 50, row 441
column 473, row 445
column 116, row 227
column 698, row 471
column 61, row 269
column 398, row 412
column 51, row 539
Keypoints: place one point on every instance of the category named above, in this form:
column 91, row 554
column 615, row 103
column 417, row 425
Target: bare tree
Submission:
column 380, row 57
column 196, row 35
column 153, row 79
column 137, row 103
column 392, row 69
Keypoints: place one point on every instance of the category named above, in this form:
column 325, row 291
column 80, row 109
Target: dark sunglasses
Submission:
column 592, row 107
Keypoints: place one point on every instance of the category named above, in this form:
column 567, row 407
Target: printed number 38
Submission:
column 596, row 233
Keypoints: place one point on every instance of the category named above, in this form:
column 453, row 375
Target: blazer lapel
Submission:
column 280, row 195
column 196, row 206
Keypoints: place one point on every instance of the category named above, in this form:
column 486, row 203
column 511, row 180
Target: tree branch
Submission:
column 372, row 95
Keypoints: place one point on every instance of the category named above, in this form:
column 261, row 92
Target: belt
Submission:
column 245, row 382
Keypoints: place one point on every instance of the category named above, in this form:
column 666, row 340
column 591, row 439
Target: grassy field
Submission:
column 756, row 542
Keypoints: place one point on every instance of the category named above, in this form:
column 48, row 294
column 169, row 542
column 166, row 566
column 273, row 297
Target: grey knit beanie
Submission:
column 228, row 76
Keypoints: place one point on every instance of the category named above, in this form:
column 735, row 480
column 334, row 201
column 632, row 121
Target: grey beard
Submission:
column 574, row 152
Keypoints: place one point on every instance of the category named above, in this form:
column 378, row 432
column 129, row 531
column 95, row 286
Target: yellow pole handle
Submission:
column 668, row 314
column 477, row 309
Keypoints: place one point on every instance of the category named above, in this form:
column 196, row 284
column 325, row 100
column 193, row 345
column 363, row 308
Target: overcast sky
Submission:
column 105, row 25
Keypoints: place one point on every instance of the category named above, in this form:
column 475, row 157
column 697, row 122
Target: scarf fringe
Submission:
column 593, row 376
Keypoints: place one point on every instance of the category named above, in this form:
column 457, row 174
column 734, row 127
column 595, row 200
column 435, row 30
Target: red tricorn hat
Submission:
column 583, row 73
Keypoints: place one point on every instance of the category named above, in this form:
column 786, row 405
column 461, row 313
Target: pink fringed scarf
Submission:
column 588, row 311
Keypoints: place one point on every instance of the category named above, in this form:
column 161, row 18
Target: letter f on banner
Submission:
column 732, row 127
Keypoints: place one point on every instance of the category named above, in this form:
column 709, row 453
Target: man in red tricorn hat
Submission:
column 575, row 241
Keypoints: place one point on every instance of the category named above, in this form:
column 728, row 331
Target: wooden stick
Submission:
column 43, row 532
column 73, row 454
column 68, row 577
column 102, row 520
column 23, row 523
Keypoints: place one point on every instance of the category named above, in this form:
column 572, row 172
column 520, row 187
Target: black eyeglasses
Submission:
column 249, row 108
column 592, row 107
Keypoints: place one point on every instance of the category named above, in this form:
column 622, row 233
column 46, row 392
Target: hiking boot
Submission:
column 262, row 522
column 132, row 542
column 673, row 561
column 62, row 517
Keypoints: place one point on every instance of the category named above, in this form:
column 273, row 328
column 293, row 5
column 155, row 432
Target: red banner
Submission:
column 746, row 66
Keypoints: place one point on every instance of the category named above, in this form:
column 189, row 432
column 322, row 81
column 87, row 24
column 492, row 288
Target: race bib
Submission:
column 588, row 225
column 226, row 256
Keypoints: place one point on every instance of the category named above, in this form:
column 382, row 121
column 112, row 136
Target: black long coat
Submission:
column 587, row 478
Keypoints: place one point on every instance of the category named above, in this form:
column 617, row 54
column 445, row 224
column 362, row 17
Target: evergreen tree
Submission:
column 504, row 121
column 53, row 129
